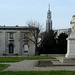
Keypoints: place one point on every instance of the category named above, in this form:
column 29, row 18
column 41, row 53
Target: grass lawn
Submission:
column 38, row 73
column 17, row 59
column 3, row 66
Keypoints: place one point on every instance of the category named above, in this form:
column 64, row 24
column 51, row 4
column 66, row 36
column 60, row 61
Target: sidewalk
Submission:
column 29, row 65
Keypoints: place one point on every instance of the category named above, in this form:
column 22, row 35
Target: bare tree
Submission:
column 34, row 28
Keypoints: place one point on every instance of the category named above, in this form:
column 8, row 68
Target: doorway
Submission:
column 11, row 48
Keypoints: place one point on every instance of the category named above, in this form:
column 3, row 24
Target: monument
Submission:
column 71, row 41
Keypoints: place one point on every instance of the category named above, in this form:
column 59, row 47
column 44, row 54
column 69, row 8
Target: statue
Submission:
column 73, row 23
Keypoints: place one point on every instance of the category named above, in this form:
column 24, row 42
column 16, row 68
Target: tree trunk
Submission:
column 36, row 50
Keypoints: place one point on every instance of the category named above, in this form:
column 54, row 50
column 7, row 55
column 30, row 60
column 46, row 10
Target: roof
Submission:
column 15, row 27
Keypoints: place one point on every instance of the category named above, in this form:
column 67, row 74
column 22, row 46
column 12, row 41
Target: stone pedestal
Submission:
column 68, row 61
column 71, row 46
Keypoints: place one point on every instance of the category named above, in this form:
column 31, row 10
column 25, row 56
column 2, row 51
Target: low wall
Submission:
column 52, row 55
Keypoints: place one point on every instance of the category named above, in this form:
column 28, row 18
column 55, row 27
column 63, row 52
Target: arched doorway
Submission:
column 11, row 48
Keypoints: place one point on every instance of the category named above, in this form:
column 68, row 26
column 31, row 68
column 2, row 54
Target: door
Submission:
column 11, row 48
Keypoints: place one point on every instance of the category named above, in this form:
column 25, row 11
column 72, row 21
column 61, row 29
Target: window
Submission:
column 49, row 25
column 25, row 48
column 11, row 35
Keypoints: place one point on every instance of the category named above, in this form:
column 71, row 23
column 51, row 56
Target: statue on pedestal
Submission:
column 71, row 41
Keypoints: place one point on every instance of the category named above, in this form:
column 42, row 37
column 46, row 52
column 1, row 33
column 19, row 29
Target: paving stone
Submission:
column 29, row 65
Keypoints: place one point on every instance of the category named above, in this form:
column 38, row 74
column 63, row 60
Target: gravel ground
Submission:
column 29, row 65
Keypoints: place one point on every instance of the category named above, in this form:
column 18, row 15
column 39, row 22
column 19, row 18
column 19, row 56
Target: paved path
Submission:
column 29, row 65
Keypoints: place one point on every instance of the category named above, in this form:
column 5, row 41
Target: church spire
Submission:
column 48, row 21
column 49, row 12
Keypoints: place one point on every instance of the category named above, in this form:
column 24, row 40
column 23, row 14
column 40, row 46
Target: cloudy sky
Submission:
column 18, row 12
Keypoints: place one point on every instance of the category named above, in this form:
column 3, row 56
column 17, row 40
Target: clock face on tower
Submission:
column 49, row 17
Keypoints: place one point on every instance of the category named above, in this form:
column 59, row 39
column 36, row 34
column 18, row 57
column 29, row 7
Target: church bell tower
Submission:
column 48, row 21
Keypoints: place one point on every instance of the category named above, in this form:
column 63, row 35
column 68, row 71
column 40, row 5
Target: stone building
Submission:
column 13, row 41
column 66, row 31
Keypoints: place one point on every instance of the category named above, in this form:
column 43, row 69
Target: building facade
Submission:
column 66, row 31
column 13, row 41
